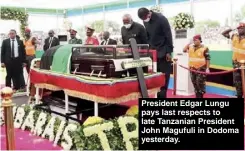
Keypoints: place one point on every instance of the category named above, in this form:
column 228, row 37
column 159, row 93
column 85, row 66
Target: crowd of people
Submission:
column 214, row 36
column 155, row 31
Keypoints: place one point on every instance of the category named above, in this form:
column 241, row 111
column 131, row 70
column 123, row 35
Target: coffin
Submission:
column 108, row 61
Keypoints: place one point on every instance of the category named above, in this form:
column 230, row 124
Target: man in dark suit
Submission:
column 107, row 40
column 159, row 36
column 51, row 41
column 13, row 58
column 134, row 30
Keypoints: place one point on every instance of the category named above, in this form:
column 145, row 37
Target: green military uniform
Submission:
column 237, row 79
column 75, row 41
column 199, row 81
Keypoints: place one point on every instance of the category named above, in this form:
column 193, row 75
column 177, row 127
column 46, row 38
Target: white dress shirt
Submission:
column 50, row 41
column 16, row 51
column 105, row 42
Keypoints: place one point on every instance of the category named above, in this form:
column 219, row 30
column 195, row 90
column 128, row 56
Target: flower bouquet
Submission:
column 183, row 21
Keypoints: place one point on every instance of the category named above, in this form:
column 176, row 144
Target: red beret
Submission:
column 27, row 30
column 197, row 37
column 241, row 25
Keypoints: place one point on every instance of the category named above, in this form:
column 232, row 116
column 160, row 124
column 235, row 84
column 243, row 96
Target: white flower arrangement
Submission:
column 19, row 118
column 115, row 134
column 49, row 130
column 29, row 121
column 59, row 132
column 123, row 121
column 14, row 111
column 67, row 144
column 157, row 9
column 99, row 130
column 183, row 21
column 40, row 123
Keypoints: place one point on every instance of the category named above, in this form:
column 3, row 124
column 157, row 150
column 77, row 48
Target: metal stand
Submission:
column 7, row 104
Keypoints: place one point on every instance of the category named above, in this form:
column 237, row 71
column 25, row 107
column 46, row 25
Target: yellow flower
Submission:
column 93, row 120
column 134, row 110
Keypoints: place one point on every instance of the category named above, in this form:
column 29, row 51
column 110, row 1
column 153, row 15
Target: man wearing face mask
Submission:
column 159, row 36
column 91, row 40
column 107, row 40
column 51, row 41
column 132, row 29
column 238, row 46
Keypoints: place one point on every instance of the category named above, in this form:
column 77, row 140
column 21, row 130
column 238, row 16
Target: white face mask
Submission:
column 147, row 20
column 127, row 26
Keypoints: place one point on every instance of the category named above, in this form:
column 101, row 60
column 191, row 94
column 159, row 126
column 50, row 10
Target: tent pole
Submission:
column 104, row 19
column 57, row 21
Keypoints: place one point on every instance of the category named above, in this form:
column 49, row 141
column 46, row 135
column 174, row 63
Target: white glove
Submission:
column 207, row 70
column 191, row 41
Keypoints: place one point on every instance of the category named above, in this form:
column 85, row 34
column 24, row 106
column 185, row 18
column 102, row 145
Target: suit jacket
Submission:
column 6, row 51
column 55, row 42
column 110, row 42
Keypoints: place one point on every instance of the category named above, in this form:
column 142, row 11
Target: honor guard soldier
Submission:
column 73, row 39
column 91, row 40
column 238, row 46
column 199, row 60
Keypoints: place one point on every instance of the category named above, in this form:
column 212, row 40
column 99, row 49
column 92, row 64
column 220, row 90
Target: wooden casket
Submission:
column 108, row 61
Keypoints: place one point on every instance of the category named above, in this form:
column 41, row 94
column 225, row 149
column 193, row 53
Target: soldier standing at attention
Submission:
column 238, row 46
column 73, row 39
column 199, row 60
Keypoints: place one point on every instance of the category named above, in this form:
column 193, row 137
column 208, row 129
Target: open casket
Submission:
column 109, row 61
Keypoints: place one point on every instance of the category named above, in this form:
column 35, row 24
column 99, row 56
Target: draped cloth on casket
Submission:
column 47, row 58
column 58, row 58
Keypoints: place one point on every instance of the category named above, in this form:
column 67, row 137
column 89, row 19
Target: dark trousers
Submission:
column 165, row 67
column 14, row 72
column 199, row 81
column 237, row 79
column 28, row 64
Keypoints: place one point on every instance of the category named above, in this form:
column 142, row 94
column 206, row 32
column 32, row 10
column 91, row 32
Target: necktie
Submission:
column 50, row 41
column 12, row 49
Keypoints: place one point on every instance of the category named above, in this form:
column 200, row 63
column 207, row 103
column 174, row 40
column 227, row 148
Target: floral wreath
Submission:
column 15, row 14
column 183, row 21
column 95, row 134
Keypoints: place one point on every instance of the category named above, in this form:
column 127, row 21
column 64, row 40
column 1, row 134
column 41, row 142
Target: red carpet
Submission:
column 25, row 141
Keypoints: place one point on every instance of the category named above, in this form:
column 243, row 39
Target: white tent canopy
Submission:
column 54, row 4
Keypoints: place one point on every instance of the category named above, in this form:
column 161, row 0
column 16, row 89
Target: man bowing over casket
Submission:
column 91, row 40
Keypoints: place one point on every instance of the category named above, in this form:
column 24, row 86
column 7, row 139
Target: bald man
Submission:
column 51, row 41
column 107, row 40
column 133, row 29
